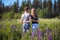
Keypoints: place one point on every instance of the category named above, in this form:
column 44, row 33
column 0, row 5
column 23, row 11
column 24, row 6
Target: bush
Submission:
column 8, row 15
column 59, row 16
column 42, row 13
column 11, row 15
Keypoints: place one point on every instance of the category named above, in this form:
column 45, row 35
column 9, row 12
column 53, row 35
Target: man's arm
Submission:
column 21, row 20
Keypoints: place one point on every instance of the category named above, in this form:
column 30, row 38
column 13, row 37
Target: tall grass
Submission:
column 12, row 30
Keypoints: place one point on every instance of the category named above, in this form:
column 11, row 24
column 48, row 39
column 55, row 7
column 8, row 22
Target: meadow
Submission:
column 12, row 30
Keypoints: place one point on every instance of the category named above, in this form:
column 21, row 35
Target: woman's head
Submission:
column 33, row 11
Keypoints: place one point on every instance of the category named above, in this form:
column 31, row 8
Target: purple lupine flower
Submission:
column 47, row 30
column 55, row 31
column 0, row 27
column 32, row 35
column 39, row 34
column 13, row 27
column 4, row 27
column 49, row 36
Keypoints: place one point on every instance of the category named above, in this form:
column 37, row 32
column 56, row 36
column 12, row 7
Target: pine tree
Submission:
column 44, row 4
column 55, row 7
column 28, row 4
column 49, row 5
column 40, row 4
column 0, row 6
column 36, row 4
column 58, row 7
column 18, row 5
column 15, row 7
column 22, row 6
column 0, row 1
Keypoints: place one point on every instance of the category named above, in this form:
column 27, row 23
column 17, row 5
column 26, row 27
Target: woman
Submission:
column 34, row 19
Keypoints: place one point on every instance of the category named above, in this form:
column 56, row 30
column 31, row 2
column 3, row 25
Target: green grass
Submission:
column 12, row 29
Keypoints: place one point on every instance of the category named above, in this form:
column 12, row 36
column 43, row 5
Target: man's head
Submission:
column 27, row 9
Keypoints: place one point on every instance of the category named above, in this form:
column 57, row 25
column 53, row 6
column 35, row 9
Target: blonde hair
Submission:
column 33, row 12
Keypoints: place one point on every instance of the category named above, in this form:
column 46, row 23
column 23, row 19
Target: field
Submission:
column 12, row 30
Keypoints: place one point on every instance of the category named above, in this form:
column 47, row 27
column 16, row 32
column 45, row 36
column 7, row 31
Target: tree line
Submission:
column 53, row 10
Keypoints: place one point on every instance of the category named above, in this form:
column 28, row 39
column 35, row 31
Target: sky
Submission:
column 10, row 2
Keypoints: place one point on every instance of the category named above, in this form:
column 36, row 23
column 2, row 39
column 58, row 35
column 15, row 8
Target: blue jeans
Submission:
column 36, row 31
column 26, row 27
column 34, row 27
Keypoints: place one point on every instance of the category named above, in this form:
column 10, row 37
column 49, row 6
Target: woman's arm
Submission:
column 29, row 19
column 35, row 20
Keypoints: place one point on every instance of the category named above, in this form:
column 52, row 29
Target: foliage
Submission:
column 15, row 7
column 51, row 12
column 12, row 29
column 8, row 15
column 42, row 13
column 44, row 4
column 11, row 15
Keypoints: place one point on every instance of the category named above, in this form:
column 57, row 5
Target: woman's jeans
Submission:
column 36, row 31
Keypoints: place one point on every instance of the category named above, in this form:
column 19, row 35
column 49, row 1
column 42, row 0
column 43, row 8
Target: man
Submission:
column 25, row 20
